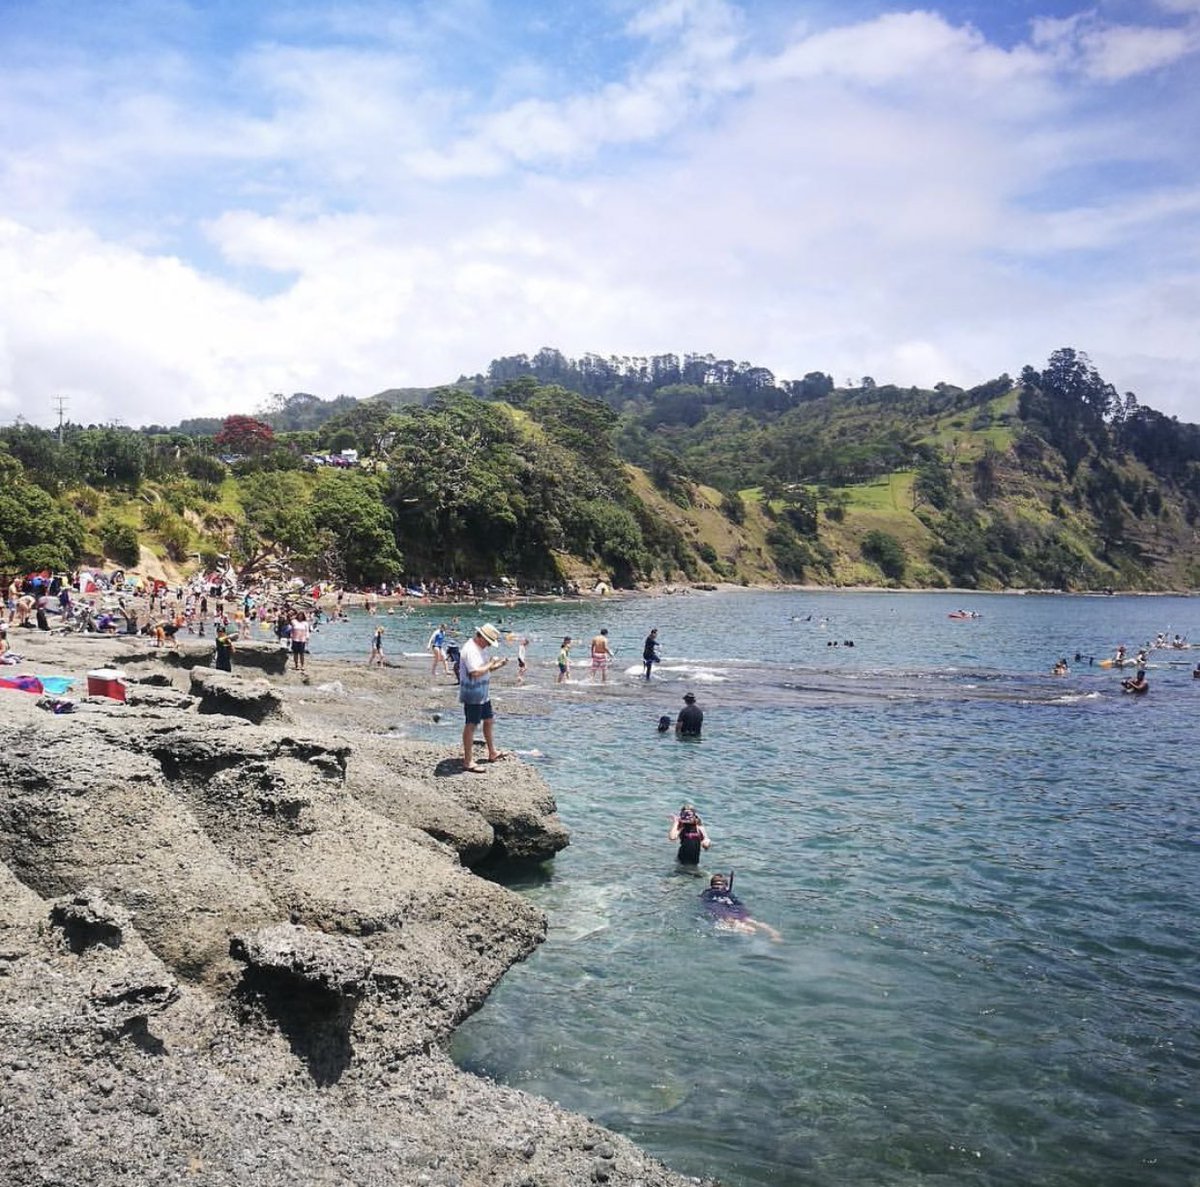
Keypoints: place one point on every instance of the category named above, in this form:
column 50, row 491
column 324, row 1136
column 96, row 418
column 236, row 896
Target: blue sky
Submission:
column 205, row 203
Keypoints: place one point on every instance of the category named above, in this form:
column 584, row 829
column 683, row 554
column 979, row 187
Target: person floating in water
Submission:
column 691, row 718
column 1138, row 683
column 688, row 829
column 728, row 911
column 1060, row 668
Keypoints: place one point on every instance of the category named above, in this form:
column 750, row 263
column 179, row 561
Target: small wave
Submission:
column 698, row 672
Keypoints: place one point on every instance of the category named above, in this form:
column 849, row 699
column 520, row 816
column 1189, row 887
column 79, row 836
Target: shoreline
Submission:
column 237, row 915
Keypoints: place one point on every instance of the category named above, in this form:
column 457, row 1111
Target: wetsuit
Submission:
column 723, row 904
column 690, row 837
column 649, row 654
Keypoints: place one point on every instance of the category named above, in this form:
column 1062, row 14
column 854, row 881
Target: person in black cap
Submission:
column 691, row 718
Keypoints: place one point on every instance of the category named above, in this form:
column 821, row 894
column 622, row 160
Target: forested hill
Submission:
column 663, row 469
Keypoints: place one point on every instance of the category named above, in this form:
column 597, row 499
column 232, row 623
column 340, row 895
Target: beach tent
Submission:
column 88, row 583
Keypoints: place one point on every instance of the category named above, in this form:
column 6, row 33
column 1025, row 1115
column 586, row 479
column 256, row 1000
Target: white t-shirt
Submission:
column 473, row 690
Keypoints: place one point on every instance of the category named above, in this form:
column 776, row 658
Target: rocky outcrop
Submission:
column 111, row 1074
column 236, row 696
column 191, row 651
column 508, row 816
column 237, row 951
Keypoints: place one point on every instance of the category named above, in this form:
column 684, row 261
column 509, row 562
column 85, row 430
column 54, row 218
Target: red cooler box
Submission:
column 106, row 682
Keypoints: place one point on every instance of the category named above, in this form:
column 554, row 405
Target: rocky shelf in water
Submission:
column 238, row 926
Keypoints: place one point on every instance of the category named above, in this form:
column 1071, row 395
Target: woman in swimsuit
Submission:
column 688, row 829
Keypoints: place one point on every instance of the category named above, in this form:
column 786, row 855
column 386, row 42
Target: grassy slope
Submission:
column 741, row 550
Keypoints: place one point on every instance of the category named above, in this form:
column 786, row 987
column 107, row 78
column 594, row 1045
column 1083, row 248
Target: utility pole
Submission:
column 61, row 403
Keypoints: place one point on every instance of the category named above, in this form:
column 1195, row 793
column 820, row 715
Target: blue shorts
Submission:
column 474, row 714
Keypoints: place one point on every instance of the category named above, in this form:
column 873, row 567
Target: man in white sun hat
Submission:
column 475, row 669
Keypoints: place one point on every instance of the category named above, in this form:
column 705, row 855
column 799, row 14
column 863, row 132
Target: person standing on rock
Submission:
column 474, row 693
column 602, row 656
column 376, row 656
column 300, row 634
column 650, row 655
column 436, row 645
column 224, row 661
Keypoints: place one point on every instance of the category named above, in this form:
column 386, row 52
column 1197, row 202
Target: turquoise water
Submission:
column 985, row 877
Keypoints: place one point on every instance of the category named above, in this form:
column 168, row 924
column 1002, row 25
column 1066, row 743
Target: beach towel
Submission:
column 22, row 684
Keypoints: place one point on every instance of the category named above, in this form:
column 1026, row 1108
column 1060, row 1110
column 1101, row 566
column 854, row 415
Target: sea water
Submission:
column 985, row 878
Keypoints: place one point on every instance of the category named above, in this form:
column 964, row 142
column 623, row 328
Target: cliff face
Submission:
column 235, row 952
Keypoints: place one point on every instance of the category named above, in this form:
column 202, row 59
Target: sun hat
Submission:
column 689, row 696
column 489, row 632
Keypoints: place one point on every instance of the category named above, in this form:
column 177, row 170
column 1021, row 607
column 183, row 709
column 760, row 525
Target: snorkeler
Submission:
column 688, row 829
column 728, row 911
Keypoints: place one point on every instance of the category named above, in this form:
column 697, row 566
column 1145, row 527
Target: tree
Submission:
column 277, row 521
column 245, row 435
column 120, row 542
column 934, row 482
column 367, row 427
column 987, row 467
column 109, row 456
column 36, row 532
column 348, row 507
column 884, row 550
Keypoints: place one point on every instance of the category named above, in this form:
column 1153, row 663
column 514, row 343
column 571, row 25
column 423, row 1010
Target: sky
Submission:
column 203, row 204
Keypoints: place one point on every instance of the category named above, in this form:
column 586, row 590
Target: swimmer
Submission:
column 664, row 722
column 688, row 829
column 1138, row 684
column 728, row 911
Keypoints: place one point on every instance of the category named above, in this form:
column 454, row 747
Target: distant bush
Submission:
column 884, row 550
column 176, row 539
column 85, row 500
column 204, row 469
column 733, row 507
column 120, row 541
column 156, row 517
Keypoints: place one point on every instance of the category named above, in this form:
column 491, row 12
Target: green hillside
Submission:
column 636, row 471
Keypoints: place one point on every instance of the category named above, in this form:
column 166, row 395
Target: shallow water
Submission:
column 985, row 876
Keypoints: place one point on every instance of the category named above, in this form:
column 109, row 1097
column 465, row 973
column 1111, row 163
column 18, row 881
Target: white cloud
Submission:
column 1111, row 53
column 881, row 198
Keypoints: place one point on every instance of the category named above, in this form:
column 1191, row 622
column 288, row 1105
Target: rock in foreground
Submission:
column 234, row 953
